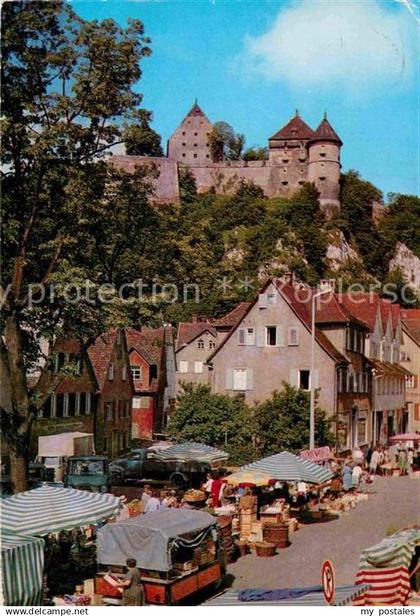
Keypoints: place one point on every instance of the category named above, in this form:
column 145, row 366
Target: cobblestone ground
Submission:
column 394, row 503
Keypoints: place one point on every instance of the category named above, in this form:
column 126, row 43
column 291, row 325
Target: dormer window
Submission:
column 200, row 344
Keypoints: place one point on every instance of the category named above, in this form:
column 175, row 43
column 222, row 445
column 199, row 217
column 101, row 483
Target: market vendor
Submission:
column 131, row 586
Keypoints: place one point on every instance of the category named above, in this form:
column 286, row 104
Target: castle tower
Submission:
column 324, row 164
column 189, row 144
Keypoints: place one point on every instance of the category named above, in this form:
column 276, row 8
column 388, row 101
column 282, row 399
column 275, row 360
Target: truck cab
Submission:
column 88, row 473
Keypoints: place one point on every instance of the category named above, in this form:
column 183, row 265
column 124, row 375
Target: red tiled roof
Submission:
column 100, row 353
column 325, row 132
column 363, row 306
column 232, row 317
column 295, row 129
column 148, row 342
column 187, row 332
column 411, row 322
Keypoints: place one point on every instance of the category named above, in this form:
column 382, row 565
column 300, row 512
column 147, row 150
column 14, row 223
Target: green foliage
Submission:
column 140, row 139
column 401, row 223
column 283, row 423
column 225, row 144
column 279, row 424
column 187, row 186
column 256, row 154
column 213, row 419
column 396, row 289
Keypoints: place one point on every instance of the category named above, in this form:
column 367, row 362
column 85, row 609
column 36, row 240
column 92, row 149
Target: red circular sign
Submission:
column 328, row 581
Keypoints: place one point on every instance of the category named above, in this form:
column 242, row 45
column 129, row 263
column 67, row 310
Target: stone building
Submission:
column 297, row 154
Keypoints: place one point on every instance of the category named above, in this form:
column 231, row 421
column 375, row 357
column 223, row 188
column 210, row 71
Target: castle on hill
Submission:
column 296, row 154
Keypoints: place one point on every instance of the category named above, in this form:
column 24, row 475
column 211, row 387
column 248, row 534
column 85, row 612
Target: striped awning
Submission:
column 198, row 452
column 385, row 567
column 285, row 466
column 51, row 509
column 344, row 595
column 22, row 566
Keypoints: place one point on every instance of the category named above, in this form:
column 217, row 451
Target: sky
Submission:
column 251, row 63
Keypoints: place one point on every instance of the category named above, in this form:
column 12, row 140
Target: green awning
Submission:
column 22, row 567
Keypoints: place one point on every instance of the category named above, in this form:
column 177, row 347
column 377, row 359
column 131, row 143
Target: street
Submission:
column 395, row 503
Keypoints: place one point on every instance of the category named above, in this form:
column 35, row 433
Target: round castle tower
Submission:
column 324, row 164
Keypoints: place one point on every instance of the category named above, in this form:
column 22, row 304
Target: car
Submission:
column 146, row 465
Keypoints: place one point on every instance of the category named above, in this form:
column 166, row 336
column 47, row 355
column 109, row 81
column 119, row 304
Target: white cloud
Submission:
column 353, row 44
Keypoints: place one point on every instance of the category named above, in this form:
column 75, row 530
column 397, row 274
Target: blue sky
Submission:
column 252, row 63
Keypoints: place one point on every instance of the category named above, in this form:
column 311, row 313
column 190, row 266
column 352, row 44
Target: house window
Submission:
column 305, row 380
column 145, row 402
column 108, row 411
column 246, row 336
column 136, row 372
column 71, row 406
column 111, row 372
column 136, row 402
column 88, row 404
column 183, row 366
column 105, row 444
column 271, row 298
column 293, row 336
column 198, row 367
column 124, row 373
column 200, row 344
column 240, row 380
column 212, row 344
column 271, row 335
column 60, row 406
column 409, row 381
column 77, row 405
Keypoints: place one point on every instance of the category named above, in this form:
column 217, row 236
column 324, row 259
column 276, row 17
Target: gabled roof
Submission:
column 148, row 342
column 231, row 318
column 299, row 305
column 187, row 332
column 365, row 308
column 325, row 132
column 296, row 128
column 196, row 110
column 411, row 323
column 100, row 353
column 330, row 310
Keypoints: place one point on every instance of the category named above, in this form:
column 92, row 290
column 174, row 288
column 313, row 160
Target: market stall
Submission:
column 385, row 567
column 49, row 509
column 285, row 466
column 184, row 452
column 344, row 595
column 176, row 551
column 22, row 565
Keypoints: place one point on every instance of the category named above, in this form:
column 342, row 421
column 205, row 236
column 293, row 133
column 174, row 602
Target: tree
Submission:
column 282, row 423
column 225, row 144
column 256, row 154
column 214, row 419
column 67, row 92
column 401, row 223
column 187, row 186
column 140, row 139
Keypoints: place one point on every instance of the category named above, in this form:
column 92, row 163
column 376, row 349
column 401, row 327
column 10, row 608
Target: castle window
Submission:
column 195, row 134
column 322, row 154
column 183, row 132
column 284, row 170
column 322, row 164
column 285, row 160
column 207, row 155
column 322, row 179
column 285, row 183
column 183, row 154
column 301, row 183
column 302, row 170
column 184, row 144
column 195, row 145
column 195, row 155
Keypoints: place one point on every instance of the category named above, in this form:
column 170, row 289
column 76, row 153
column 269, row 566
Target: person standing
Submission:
column 207, row 484
column 153, row 503
column 374, row 461
column 410, row 460
column 131, row 586
column 403, row 462
column 356, row 475
column 347, row 473
column 215, row 491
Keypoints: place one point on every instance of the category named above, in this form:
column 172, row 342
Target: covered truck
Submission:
column 177, row 552
column 55, row 449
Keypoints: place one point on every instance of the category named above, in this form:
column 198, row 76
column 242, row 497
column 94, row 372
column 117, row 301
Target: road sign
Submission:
column 328, row 582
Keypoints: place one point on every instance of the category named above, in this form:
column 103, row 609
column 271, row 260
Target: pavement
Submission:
column 394, row 503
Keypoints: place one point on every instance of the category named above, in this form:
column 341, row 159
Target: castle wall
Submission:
column 166, row 189
column 274, row 179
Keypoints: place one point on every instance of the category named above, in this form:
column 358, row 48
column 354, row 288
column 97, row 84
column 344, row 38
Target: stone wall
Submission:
column 166, row 189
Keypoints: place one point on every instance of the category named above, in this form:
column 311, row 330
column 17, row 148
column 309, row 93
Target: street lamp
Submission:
column 312, row 399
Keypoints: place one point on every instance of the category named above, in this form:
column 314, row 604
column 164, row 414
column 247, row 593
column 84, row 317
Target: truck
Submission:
column 145, row 465
column 88, row 473
column 55, row 449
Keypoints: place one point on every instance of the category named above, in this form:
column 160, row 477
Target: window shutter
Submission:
column 241, row 336
column 279, row 336
column 316, row 378
column 53, row 405
column 229, row 379
column 262, row 300
column 77, row 409
column 249, row 379
column 294, row 377
column 260, row 336
column 87, row 411
column 250, row 336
